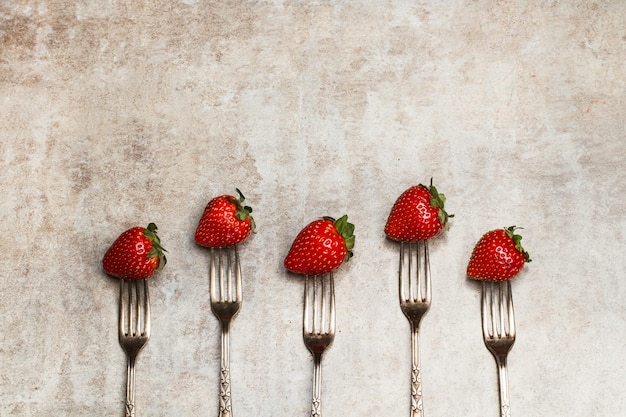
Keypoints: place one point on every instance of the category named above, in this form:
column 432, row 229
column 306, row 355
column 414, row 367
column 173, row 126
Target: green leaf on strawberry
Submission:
column 243, row 212
column 157, row 250
column 439, row 200
column 517, row 240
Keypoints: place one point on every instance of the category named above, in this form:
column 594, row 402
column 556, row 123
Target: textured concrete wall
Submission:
column 119, row 113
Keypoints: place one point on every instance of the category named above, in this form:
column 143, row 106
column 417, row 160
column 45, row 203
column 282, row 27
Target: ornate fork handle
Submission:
column 130, row 388
column 503, row 383
column 225, row 398
column 316, row 402
column 416, row 377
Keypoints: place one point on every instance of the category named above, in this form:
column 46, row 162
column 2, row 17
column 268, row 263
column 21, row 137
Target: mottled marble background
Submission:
column 118, row 113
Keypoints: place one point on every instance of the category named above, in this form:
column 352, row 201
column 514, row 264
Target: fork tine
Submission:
column 503, row 329
column 401, row 291
column 425, row 264
column 405, row 273
column 322, row 305
column 146, row 309
column 409, row 274
column 123, row 308
column 511, row 312
column 238, row 291
column 485, row 310
column 136, row 304
column 232, row 275
column 314, row 307
column 307, row 307
column 317, row 310
column 224, row 274
column 212, row 277
column 332, row 305
column 414, row 293
column 495, row 330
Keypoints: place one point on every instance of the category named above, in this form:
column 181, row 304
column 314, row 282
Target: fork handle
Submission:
column 503, row 384
column 417, row 409
column 316, row 402
column 225, row 398
column 130, row 388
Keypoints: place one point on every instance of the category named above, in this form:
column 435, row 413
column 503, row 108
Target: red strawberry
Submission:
column 225, row 222
column 321, row 247
column 418, row 214
column 498, row 256
column 135, row 254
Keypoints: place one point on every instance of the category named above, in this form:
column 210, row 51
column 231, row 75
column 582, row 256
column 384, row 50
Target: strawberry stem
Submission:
column 346, row 231
column 517, row 239
column 438, row 200
column 157, row 250
column 243, row 212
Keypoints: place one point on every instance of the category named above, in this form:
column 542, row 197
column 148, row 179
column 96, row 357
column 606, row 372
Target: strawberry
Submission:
column 225, row 222
column 135, row 254
column 321, row 247
column 498, row 256
column 418, row 214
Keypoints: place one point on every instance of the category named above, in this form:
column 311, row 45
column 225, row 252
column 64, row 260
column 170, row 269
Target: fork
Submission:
column 415, row 296
column 318, row 328
column 498, row 322
column 134, row 330
column 226, row 299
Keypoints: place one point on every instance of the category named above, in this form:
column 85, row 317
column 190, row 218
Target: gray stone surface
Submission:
column 119, row 113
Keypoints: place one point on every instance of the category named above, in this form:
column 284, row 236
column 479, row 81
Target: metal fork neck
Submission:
column 130, row 387
column 503, row 384
column 225, row 351
column 415, row 326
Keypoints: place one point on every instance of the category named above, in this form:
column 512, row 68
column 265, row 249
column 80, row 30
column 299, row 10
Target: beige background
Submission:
column 118, row 113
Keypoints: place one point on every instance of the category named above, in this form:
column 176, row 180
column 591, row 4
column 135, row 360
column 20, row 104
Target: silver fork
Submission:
column 318, row 328
column 226, row 299
column 415, row 295
column 498, row 321
column 134, row 330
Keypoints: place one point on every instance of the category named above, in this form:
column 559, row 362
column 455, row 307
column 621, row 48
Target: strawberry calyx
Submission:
column 346, row 231
column 517, row 240
column 438, row 200
column 243, row 212
column 150, row 232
